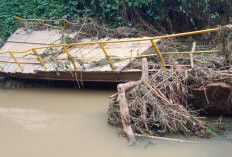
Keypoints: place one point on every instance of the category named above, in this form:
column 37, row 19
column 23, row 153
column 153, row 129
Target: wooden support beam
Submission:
column 191, row 55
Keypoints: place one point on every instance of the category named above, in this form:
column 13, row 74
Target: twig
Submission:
column 156, row 93
column 81, row 28
column 114, row 96
column 205, row 91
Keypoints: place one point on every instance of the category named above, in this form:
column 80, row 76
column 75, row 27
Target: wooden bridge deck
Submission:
column 95, row 66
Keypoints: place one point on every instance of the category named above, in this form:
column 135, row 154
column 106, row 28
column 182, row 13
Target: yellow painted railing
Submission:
column 101, row 44
column 40, row 21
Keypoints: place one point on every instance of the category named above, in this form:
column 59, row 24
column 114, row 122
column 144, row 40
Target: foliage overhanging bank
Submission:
column 167, row 15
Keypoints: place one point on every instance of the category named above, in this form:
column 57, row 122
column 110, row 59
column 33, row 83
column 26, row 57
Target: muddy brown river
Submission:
column 66, row 122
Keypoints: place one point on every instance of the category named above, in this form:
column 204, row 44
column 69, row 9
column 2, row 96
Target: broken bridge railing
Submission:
column 102, row 43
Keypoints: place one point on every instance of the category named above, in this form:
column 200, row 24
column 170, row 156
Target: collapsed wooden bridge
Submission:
column 39, row 54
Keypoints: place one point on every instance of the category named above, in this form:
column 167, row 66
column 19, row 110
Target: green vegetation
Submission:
column 48, row 52
column 173, row 15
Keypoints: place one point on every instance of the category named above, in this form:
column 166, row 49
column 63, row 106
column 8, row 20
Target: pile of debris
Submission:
column 166, row 101
column 85, row 28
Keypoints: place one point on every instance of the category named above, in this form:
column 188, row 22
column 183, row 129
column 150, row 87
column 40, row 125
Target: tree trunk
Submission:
column 124, row 106
column 124, row 110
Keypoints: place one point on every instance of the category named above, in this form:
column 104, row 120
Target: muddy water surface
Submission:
column 63, row 122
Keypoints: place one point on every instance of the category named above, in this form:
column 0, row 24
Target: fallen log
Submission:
column 124, row 110
column 124, row 107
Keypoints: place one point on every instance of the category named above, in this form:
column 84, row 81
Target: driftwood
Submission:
column 124, row 107
column 165, row 138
